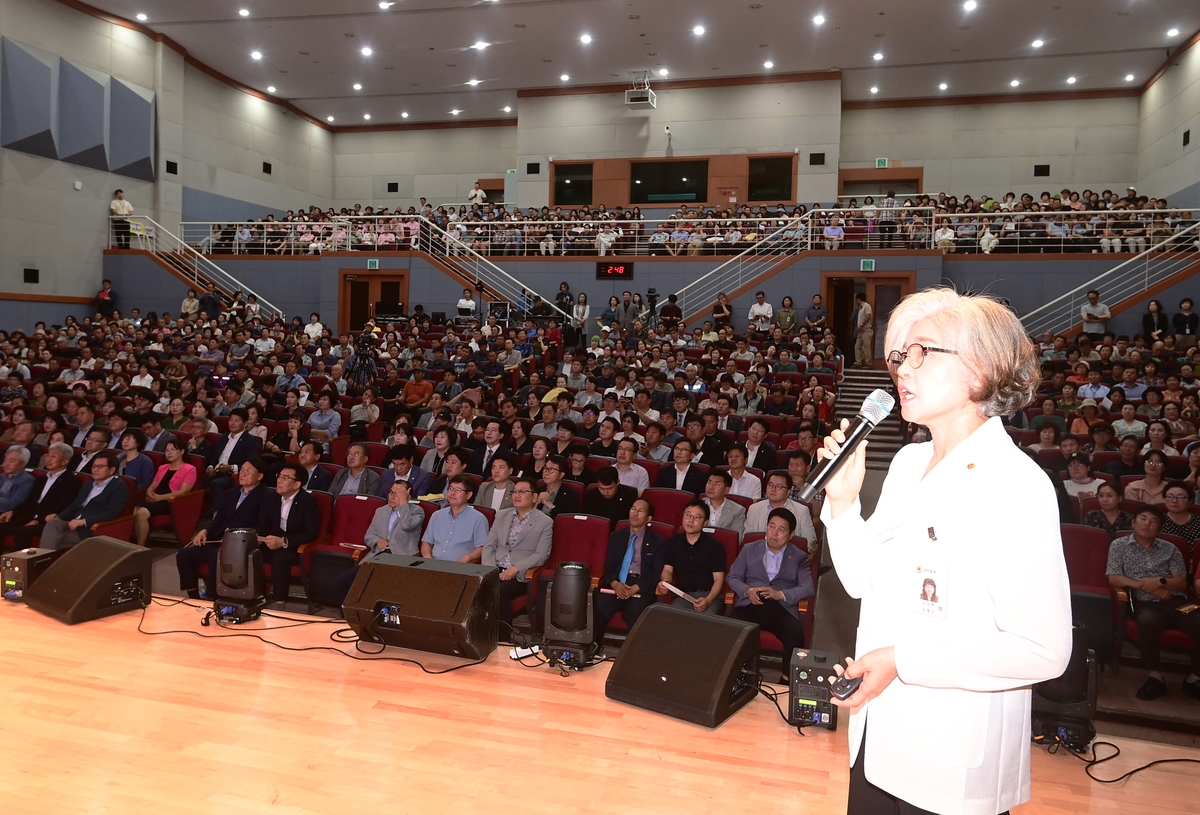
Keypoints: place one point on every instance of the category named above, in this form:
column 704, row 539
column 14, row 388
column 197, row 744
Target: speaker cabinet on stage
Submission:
column 440, row 606
column 98, row 577
column 694, row 667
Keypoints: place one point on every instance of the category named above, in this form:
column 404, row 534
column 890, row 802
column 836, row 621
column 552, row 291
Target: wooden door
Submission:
column 884, row 292
column 360, row 291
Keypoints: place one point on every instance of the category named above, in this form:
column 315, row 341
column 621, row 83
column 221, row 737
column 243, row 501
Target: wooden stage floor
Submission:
column 99, row 718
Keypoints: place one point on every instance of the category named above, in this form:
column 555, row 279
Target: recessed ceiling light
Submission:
column 1015, row 82
column 404, row 115
column 943, row 86
column 818, row 20
column 506, row 109
column 366, row 116
column 143, row 18
column 1174, row 32
column 698, row 30
column 878, row 57
column 473, row 82
column 585, row 39
column 1038, row 43
column 565, row 77
column 1128, row 77
column 969, row 5
column 768, row 64
column 256, row 55
column 874, row 90
column 662, row 72
column 329, row 118
column 270, row 89
column 479, row 46
column 455, row 112
column 366, row 52
column 357, row 86
column 1070, row 80
column 245, row 12
column 386, row 5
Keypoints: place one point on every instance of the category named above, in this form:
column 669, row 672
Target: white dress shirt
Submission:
column 748, row 486
column 951, row 734
column 50, row 479
column 285, row 509
column 634, row 476
column 227, row 450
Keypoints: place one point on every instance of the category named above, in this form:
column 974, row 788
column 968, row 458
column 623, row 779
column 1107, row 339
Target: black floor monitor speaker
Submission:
column 98, row 577
column 440, row 606
column 695, row 667
column 20, row 569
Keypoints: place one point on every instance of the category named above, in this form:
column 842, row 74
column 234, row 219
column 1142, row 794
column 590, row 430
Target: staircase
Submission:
column 886, row 438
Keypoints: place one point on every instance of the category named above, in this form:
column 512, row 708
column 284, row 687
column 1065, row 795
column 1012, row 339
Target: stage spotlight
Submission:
column 570, row 615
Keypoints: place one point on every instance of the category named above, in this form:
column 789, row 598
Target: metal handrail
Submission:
column 1127, row 279
column 153, row 237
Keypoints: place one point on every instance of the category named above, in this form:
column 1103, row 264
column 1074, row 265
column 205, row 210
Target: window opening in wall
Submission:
column 668, row 182
column 572, row 184
column 816, row 159
column 770, row 179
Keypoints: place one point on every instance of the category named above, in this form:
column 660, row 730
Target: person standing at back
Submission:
column 864, row 330
column 120, row 210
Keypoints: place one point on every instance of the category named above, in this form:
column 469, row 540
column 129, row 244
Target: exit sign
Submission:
column 881, row 164
column 866, row 265
column 372, row 264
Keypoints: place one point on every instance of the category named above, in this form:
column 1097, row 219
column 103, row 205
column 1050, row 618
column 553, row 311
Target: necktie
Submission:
column 628, row 558
column 487, row 463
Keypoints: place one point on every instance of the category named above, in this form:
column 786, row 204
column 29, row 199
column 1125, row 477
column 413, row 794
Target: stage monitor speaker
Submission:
column 96, row 578
column 695, row 667
column 440, row 606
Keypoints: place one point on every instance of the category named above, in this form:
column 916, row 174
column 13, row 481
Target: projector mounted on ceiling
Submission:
column 640, row 97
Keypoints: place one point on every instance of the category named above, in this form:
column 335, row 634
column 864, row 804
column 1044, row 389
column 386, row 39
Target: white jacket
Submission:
column 951, row 734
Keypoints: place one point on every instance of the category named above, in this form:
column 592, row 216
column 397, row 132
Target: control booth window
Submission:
column 770, row 179
column 572, row 184
column 668, row 182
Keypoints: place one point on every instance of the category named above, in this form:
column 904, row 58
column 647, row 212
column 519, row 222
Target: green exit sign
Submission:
column 881, row 164
column 866, row 265
column 372, row 264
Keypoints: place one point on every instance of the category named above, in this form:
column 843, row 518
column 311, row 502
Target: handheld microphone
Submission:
column 875, row 408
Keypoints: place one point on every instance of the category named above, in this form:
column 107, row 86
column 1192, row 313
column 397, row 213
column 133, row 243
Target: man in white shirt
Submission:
column 628, row 473
column 497, row 493
column 1095, row 316
column 476, row 195
column 120, row 209
column 744, row 483
column 722, row 513
column 761, row 313
column 289, row 520
column 314, row 329
column 779, row 485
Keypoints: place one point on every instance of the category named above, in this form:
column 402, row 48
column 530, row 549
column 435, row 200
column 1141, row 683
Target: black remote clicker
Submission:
column 844, row 688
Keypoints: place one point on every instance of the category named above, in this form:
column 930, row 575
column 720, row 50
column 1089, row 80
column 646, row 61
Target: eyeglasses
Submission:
column 915, row 354
column 523, row 492
column 775, row 486
column 283, row 477
column 692, row 516
column 1154, row 463
column 455, row 490
column 550, row 470
column 1177, row 497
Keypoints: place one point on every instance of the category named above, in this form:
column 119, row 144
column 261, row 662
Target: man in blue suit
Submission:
column 318, row 477
column 632, row 569
column 402, row 469
column 769, row 578
column 102, row 500
column 231, row 451
column 240, row 509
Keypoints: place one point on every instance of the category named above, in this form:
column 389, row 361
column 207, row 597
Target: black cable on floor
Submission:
column 1058, row 744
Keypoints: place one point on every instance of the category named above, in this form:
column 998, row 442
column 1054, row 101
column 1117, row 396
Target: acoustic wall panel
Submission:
column 82, row 116
column 28, row 95
column 131, row 130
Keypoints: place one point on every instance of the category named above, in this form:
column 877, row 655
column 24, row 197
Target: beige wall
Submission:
column 440, row 165
column 977, row 149
column 1168, row 108
column 735, row 119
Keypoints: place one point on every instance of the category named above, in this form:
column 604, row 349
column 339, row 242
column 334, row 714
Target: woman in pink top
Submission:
column 173, row 479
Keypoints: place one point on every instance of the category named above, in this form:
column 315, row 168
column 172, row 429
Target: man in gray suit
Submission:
column 518, row 541
column 102, row 500
column 156, row 437
column 497, row 494
column 395, row 528
column 626, row 312
column 769, row 578
column 356, row 479
column 722, row 513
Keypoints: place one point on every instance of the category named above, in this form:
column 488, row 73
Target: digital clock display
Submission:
column 614, row 271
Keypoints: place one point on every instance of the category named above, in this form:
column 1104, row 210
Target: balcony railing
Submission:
column 1164, row 256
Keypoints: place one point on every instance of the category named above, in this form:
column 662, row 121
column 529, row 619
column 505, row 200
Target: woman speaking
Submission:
column 965, row 599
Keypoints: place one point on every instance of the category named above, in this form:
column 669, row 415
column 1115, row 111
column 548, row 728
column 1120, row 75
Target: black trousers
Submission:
column 22, row 535
column 772, row 616
column 188, row 561
column 281, row 560
column 609, row 605
column 1155, row 617
column 867, row 799
column 509, row 590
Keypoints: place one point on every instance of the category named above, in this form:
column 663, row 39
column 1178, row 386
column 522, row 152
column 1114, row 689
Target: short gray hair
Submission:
column 21, row 452
column 64, row 450
column 990, row 340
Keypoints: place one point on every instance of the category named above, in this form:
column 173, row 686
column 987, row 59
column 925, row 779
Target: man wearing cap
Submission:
column 610, row 407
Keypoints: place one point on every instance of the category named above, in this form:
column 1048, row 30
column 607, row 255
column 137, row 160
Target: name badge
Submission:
column 929, row 591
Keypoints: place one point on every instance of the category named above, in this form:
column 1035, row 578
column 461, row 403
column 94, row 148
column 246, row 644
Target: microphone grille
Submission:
column 877, row 406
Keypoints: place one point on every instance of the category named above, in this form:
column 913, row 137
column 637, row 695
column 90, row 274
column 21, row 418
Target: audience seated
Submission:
column 694, row 563
column 395, row 528
column 518, row 541
column 239, row 509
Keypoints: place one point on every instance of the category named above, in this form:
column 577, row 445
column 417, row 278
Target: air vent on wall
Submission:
column 1041, row 169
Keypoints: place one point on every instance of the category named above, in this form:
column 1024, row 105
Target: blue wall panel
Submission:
column 82, row 116
column 28, row 89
